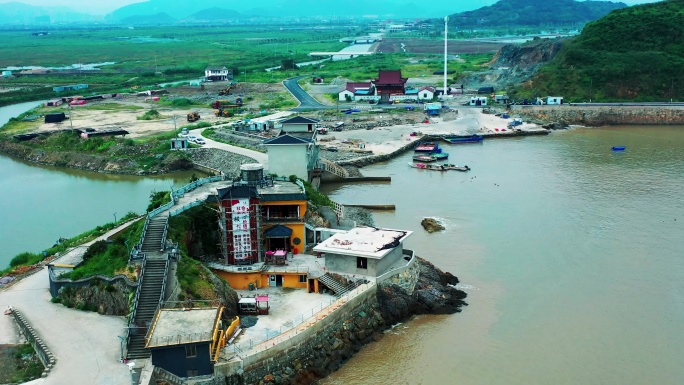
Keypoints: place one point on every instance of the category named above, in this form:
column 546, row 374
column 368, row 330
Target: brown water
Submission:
column 571, row 254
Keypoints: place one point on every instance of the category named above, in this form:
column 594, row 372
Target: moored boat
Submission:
column 455, row 167
column 464, row 139
column 427, row 147
column 439, row 167
column 440, row 155
column 424, row 158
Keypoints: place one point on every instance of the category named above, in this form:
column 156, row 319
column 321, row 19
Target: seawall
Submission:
column 602, row 115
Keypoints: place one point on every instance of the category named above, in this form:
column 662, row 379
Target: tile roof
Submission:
column 390, row 77
column 287, row 139
column 299, row 120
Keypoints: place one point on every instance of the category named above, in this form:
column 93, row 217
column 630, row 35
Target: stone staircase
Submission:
column 154, row 234
column 339, row 289
column 148, row 301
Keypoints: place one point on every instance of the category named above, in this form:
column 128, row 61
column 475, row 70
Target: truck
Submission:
column 225, row 104
column 193, row 116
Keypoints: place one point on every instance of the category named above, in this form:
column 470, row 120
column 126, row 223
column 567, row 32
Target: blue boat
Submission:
column 619, row 148
column 464, row 139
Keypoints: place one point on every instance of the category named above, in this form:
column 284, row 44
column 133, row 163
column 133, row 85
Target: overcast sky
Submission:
column 106, row 6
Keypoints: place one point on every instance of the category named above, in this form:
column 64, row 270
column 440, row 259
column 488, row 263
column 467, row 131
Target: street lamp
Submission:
column 114, row 218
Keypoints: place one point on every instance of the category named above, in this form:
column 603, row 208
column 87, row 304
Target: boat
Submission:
column 464, row 139
column 440, row 155
column 439, row 167
column 424, row 166
column 424, row 158
column 619, row 148
column 455, row 167
column 427, row 147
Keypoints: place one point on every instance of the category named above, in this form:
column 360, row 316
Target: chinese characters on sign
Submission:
column 242, row 240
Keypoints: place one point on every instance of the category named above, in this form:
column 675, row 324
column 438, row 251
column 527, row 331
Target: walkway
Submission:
column 259, row 157
column 85, row 343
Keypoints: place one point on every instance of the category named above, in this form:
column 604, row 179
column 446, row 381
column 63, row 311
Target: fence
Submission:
column 185, row 338
column 191, row 186
column 298, row 325
column 57, row 283
column 180, row 210
column 44, row 354
column 334, row 168
column 131, row 322
column 399, row 270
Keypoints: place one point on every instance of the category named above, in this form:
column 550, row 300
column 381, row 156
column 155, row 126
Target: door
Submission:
column 272, row 280
column 279, row 280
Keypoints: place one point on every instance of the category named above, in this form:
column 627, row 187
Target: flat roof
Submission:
column 280, row 187
column 182, row 326
column 363, row 241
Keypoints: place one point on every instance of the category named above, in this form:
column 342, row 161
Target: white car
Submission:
column 192, row 138
column 200, row 141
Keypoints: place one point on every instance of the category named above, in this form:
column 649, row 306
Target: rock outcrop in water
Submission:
column 431, row 225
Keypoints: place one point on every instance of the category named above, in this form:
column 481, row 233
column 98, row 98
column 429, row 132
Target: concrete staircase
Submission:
column 339, row 289
column 154, row 233
column 148, row 301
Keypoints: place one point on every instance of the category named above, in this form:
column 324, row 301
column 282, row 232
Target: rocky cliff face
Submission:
column 99, row 296
column 516, row 63
column 433, row 294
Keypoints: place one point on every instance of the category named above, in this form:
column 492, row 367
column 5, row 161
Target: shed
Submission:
column 55, row 118
column 551, row 100
column 485, row 90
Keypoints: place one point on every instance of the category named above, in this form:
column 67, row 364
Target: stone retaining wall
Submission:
column 366, row 160
column 45, row 355
column 602, row 115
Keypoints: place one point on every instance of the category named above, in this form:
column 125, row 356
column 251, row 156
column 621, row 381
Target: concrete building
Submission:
column 186, row 342
column 554, row 100
column 299, row 124
column 358, row 91
column 478, row 101
column 213, row 73
column 426, row 93
column 293, row 155
column 259, row 217
column 366, row 251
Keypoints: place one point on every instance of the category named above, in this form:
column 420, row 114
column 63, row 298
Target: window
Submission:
column 361, row 263
column 302, row 279
column 193, row 373
column 191, row 351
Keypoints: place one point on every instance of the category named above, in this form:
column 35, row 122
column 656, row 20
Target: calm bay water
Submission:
column 40, row 204
column 571, row 254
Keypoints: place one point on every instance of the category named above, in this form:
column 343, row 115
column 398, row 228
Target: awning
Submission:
column 278, row 231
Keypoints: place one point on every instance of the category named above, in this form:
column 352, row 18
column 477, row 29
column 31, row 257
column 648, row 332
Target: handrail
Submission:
column 163, row 288
column 163, row 238
column 131, row 321
column 160, row 209
column 180, row 210
column 398, row 270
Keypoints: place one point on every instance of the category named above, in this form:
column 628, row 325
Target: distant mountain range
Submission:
column 534, row 13
column 20, row 13
column 476, row 12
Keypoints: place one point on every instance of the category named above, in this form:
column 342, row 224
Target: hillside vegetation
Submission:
column 534, row 13
column 634, row 53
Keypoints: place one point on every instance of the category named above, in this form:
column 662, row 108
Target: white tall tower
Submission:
column 446, row 19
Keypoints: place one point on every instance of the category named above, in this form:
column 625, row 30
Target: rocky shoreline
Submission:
column 434, row 293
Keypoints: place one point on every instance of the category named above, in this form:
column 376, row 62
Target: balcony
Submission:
column 284, row 219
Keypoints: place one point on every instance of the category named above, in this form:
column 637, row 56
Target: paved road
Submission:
column 85, row 343
column 306, row 101
column 260, row 157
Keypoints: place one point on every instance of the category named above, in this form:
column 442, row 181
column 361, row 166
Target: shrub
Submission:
column 96, row 248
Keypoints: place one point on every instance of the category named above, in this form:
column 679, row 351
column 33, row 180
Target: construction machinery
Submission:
column 226, row 104
column 223, row 113
column 193, row 116
column 225, row 91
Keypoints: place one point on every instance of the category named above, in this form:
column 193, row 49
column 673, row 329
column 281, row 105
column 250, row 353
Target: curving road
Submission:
column 260, row 157
column 306, row 101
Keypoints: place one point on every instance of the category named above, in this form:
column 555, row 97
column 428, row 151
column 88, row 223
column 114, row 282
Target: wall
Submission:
column 603, row 115
column 346, row 264
column 46, row 357
column 56, row 283
column 288, row 160
column 298, row 127
column 298, row 230
column 173, row 359
column 241, row 281
column 384, row 264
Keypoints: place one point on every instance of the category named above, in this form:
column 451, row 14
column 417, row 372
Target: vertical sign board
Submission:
column 242, row 241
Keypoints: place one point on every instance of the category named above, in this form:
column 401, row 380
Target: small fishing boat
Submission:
column 427, row 147
column 455, row 167
column 464, row 139
column 424, row 158
column 619, row 148
column 440, row 155
column 424, row 166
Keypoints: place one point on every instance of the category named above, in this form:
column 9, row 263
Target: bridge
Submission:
column 340, row 53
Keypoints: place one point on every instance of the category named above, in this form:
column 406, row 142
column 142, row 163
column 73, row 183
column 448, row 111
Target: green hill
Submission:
column 533, row 13
column 635, row 53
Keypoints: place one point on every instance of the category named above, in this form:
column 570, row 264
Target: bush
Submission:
column 21, row 259
column 96, row 248
column 158, row 199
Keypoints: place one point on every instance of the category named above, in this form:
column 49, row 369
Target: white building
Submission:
column 366, row 251
column 426, row 93
column 299, row 124
column 554, row 100
column 217, row 73
column 478, row 101
column 292, row 155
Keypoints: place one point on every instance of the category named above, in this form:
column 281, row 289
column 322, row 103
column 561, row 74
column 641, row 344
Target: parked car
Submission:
column 192, row 138
column 200, row 141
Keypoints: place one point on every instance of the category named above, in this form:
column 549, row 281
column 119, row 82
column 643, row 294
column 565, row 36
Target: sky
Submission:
column 106, row 6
